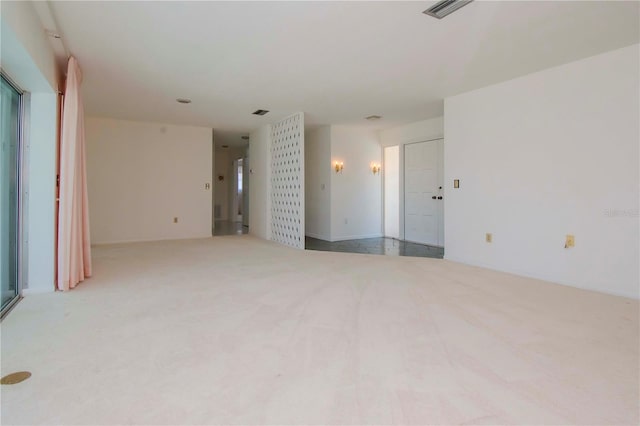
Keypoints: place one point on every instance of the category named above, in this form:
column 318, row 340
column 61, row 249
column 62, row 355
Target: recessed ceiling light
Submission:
column 373, row 117
column 260, row 112
column 244, row 138
column 445, row 7
column 183, row 100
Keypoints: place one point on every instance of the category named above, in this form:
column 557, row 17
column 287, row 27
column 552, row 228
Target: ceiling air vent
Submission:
column 260, row 112
column 445, row 7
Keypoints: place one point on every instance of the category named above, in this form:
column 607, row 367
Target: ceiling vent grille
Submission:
column 445, row 7
column 260, row 112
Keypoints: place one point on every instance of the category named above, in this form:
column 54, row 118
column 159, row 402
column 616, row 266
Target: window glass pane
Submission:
column 9, row 187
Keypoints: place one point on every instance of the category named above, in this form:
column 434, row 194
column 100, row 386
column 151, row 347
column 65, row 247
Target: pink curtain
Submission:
column 74, row 247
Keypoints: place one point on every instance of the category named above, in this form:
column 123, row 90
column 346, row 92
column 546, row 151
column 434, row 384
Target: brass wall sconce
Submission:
column 375, row 168
column 338, row 166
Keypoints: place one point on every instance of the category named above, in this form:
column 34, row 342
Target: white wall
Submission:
column 356, row 193
column 260, row 182
column 317, row 168
column 28, row 58
column 221, row 188
column 42, row 191
column 142, row 175
column 418, row 131
column 391, row 175
column 542, row 156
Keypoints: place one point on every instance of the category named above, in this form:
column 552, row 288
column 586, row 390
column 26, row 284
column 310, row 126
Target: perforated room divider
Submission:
column 287, row 181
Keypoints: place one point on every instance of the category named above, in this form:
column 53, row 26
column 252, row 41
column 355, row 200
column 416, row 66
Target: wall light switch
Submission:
column 456, row 183
column 322, row 186
column 207, row 186
column 175, row 220
column 488, row 237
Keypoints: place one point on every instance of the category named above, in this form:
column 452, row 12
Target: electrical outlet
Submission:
column 488, row 237
column 175, row 220
column 570, row 241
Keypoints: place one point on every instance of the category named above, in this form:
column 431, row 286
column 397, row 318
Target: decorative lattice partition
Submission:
column 287, row 181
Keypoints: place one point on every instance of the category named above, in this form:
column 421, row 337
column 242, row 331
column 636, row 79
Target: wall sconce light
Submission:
column 338, row 166
column 375, row 168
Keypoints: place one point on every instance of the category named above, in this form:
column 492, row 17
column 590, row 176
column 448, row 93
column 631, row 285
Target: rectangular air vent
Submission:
column 445, row 7
column 260, row 112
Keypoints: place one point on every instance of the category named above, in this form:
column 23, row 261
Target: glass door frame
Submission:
column 20, row 151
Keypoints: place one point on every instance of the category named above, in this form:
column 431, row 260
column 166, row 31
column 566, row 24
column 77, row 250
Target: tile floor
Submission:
column 386, row 246
column 227, row 227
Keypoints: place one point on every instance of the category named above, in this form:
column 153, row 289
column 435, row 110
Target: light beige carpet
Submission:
column 235, row 330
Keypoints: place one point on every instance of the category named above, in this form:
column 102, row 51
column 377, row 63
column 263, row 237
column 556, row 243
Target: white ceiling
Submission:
column 336, row 61
column 230, row 138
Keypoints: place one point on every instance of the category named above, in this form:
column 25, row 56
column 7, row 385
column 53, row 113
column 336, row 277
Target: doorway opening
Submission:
column 414, row 193
column 237, row 193
column 231, row 188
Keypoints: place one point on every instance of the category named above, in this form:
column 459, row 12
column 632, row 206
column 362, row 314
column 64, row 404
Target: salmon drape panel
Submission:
column 74, row 247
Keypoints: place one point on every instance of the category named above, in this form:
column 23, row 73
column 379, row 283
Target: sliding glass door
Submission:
column 9, row 192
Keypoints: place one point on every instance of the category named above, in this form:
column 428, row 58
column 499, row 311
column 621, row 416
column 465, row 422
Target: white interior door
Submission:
column 423, row 194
